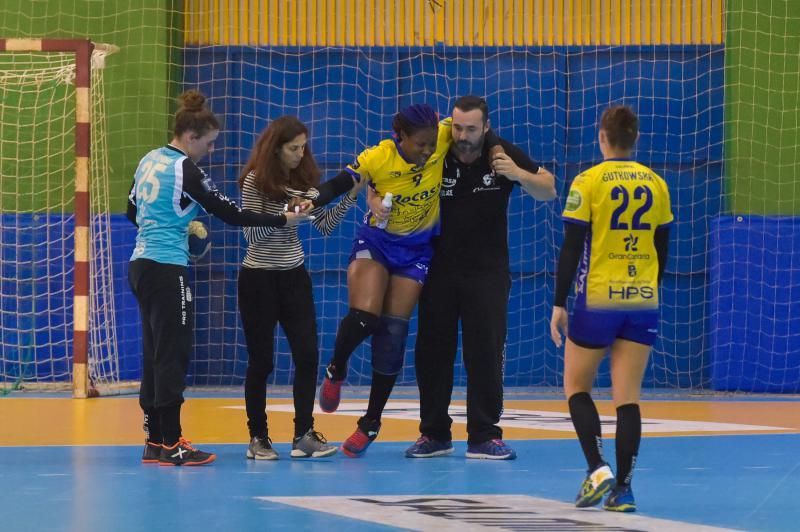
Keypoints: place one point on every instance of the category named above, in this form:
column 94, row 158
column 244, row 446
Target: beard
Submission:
column 467, row 147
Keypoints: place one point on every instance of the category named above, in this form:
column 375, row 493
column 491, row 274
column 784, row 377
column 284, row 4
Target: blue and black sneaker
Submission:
column 596, row 484
column 426, row 447
column 490, row 450
column 620, row 500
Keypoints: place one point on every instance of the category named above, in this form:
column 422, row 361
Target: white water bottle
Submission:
column 387, row 202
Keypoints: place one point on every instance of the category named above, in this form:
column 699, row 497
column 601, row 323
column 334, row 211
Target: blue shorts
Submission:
column 407, row 261
column 598, row 328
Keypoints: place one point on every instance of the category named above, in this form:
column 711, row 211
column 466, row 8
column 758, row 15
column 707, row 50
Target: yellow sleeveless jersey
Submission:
column 415, row 189
column 623, row 203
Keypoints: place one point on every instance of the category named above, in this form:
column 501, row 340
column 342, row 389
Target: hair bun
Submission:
column 192, row 100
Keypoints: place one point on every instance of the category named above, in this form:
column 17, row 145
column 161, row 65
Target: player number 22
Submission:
column 620, row 192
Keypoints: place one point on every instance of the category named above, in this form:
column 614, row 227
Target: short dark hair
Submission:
column 414, row 118
column 472, row 102
column 621, row 126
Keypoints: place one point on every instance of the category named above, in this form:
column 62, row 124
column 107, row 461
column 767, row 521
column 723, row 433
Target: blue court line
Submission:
column 747, row 482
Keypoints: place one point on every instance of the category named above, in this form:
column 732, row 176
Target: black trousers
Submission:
column 165, row 304
column 266, row 298
column 480, row 301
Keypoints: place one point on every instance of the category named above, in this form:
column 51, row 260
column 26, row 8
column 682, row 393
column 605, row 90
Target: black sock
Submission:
column 152, row 426
column 382, row 386
column 299, row 431
column 629, row 434
column 353, row 329
column 586, row 421
column 170, row 424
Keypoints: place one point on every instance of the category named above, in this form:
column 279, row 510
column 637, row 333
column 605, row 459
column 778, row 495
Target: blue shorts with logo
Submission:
column 410, row 261
column 599, row 328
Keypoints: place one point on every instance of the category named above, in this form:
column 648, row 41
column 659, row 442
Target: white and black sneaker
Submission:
column 260, row 448
column 311, row 444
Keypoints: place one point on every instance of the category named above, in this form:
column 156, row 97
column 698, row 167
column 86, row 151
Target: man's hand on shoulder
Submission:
column 505, row 165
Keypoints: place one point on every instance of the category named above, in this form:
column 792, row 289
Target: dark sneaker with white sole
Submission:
column 426, row 447
column 490, row 450
column 260, row 448
column 312, row 444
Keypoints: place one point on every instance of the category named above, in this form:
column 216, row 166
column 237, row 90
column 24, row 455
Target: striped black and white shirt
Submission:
column 279, row 248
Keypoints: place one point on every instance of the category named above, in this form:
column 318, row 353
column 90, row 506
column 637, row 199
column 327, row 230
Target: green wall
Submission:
column 762, row 46
column 139, row 94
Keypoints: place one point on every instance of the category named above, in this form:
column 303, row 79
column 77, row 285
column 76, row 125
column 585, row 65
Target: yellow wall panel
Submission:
column 538, row 16
column 647, row 22
column 429, row 24
column 467, row 21
column 677, row 22
column 227, row 21
column 586, row 18
column 548, row 22
column 626, row 22
column 452, row 22
column 597, row 21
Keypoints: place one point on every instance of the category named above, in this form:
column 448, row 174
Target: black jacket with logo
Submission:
column 474, row 213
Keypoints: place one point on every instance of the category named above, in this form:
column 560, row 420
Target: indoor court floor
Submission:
column 705, row 463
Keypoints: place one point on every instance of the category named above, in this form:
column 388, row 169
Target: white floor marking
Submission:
column 480, row 512
column 534, row 419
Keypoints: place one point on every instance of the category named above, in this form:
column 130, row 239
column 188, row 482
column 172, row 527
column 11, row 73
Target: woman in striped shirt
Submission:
column 274, row 286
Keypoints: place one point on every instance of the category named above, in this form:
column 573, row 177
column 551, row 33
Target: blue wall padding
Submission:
column 755, row 304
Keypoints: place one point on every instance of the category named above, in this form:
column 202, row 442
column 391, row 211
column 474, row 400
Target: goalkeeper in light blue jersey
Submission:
column 168, row 191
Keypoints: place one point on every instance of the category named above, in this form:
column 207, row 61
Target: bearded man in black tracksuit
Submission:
column 469, row 280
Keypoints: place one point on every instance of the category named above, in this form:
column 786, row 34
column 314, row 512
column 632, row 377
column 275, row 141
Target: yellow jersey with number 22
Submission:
column 623, row 203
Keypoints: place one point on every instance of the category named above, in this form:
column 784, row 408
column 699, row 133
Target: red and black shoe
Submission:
column 330, row 392
column 356, row 445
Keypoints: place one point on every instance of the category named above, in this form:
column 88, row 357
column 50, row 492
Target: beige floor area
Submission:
column 118, row 420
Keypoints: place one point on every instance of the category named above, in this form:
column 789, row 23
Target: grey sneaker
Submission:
column 312, row 444
column 261, row 449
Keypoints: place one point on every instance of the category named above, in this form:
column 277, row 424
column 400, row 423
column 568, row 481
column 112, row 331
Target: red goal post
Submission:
column 83, row 119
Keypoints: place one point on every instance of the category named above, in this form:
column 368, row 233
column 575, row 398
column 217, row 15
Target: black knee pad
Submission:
column 389, row 345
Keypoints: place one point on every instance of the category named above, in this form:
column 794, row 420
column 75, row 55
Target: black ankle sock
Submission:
column 629, row 435
column 368, row 425
column 586, row 421
column 170, row 424
column 152, row 426
column 353, row 329
column 299, row 431
column 382, row 386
